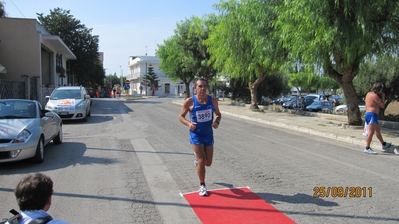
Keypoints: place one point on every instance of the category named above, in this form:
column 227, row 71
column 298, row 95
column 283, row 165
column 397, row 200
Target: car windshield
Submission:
column 317, row 103
column 11, row 109
column 66, row 94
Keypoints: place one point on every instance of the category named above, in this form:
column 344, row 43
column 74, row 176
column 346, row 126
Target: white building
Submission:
column 138, row 67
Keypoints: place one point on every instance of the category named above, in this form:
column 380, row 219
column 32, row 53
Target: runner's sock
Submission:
column 202, row 184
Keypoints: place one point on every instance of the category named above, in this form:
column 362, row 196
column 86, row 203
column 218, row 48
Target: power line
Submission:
column 18, row 9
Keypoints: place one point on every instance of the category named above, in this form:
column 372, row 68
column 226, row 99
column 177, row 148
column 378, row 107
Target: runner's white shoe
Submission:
column 202, row 191
column 369, row 151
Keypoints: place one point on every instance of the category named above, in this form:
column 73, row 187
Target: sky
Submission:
column 125, row 27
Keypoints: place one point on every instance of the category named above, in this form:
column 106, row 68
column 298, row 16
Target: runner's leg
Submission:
column 199, row 151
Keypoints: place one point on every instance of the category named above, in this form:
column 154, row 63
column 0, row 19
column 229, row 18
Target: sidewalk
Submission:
column 319, row 124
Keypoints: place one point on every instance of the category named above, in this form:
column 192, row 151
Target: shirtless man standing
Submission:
column 373, row 104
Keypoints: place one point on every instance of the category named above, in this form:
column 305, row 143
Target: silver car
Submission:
column 70, row 103
column 343, row 109
column 25, row 128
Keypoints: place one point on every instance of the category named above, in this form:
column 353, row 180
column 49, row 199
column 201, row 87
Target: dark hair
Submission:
column 377, row 87
column 33, row 192
column 201, row 79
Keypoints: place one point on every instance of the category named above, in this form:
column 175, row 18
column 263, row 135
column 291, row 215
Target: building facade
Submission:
column 29, row 52
column 138, row 68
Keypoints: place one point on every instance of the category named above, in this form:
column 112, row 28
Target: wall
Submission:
column 20, row 42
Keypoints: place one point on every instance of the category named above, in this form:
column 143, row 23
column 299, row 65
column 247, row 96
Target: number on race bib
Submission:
column 204, row 115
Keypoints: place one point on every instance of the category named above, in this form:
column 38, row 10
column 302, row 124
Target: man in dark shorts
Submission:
column 202, row 108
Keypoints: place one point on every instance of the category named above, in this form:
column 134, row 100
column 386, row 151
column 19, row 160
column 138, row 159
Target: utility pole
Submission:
column 146, row 82
column 121, row 75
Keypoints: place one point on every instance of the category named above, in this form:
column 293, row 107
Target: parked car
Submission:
column 70, row 103
column 305, row 101
column 25, row 129
column 341, row 109
column 318, row 106
column 289, row 104
column 313, row 97
column 280, row 101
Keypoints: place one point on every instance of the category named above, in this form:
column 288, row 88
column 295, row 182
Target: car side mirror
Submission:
column 48, row 114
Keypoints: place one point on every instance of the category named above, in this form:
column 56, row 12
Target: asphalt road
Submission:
column 131, row 159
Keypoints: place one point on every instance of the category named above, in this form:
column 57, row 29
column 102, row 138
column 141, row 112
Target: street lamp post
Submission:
column 121, row 77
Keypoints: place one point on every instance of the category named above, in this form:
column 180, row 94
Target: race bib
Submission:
column 204, row 115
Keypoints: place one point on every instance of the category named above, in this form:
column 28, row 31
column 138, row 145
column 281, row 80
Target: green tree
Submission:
column 304, row 81
column 2, row 9
column 326, row 83
column 87, row 70
column 338, row 35
column 199, row 61
column 151, row 79
column 184, row 56
column 110, row 80
column 243, row 44
column 273, row 86
column 384, row 69
column 171, row 56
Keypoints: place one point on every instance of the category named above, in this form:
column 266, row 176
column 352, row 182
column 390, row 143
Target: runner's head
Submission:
column 377, row 87
column 201, row 86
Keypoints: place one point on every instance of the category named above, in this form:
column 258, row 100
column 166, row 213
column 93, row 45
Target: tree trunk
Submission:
column 253, row 88
column 345, row 79
column 187, row 84
column 354, row 117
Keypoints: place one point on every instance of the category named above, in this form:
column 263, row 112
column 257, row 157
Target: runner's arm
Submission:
column 218, row 115
column 184, row 110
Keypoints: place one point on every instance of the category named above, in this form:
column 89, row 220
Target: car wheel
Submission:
column 39, row 156
column 340, row 111
column 58, row 139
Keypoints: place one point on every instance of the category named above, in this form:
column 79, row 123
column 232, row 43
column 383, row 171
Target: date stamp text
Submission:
column 342, row 192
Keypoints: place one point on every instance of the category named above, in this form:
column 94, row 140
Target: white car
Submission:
column 70, row 103
column 341, row 109
column 25, row 128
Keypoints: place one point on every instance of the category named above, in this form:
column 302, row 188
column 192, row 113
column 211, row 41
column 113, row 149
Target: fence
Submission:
column 26, row 89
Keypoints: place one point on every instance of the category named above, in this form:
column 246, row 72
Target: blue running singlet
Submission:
column 202, row 114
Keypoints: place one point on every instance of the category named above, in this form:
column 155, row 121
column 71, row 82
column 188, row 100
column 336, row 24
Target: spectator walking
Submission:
column 375, row 99
column 114, row 92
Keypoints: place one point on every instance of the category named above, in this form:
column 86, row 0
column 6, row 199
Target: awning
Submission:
column 3, row 69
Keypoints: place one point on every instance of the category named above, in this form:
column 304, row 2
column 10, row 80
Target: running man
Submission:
column 202, row 108
column 375, row 99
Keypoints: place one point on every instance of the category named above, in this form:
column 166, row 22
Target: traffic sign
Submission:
column 127, row 81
